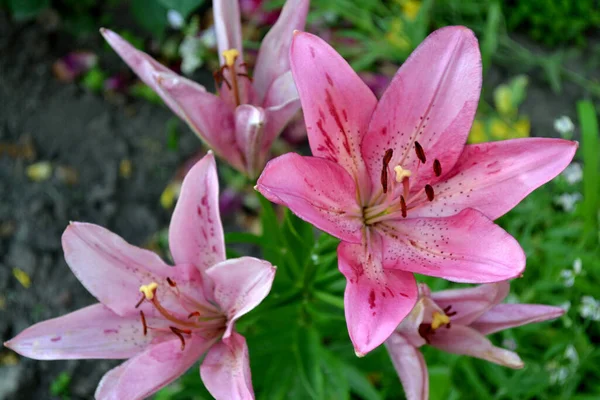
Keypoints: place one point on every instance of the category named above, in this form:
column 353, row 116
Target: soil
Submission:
column 79, row 133
column 87, row 135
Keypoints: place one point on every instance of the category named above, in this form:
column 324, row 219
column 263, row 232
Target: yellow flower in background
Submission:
column 396, row 36
column 503, row 100
column 410, row 9
column 22, row 277
column 499, row 130
column 477, row 134
column 522, row 127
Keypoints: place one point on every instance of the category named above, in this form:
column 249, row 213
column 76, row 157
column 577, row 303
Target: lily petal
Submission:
column 91, row 332
column 337, row 104
column 470, row 303
column 144, row 374
column 111, row 269
column 196, row 232
column 467, row 247
column 410, row 366
column 317, row 190
column 240, row 285
column 273, row 60
column 431, row 100
column 376, row 299
column 225, row 370
column 504, row 316
column 228, row 28
column 146, row 67
column 250, row 132
column 207, row 115
column 463, row 340
column 494, row 177
column 281, row 104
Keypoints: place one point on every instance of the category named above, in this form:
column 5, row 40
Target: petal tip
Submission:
column 359, row 354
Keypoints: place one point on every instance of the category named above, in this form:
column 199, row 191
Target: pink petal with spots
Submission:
column 196, row 233
column 504, row 316
column 376, row 299
column 467, row 247
column 337, row 104
column 240, row 285
column 317, row 190
column 208, row 115
column 273, row 56
column 463, row 340
column 155, row 368
column 91, row 332
column 410, row 366
column 225, row 370
column 111, row 269
column 470, row 303
column 495, row 177
column 431, row 100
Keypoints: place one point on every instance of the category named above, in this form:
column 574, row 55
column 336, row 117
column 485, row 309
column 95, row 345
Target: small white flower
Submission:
column 208, row 37
column 190, row 51
column 589, row 308
column 577, row 265
column 568, row 277
column 175, row 19
column 564, row 125
column 573, row 173
column 568, row 200
column 571, row 354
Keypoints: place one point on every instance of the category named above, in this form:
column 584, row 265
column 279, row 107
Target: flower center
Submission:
column 200, row 317
column 392, row 201
column 231, row 57
column 438, row 319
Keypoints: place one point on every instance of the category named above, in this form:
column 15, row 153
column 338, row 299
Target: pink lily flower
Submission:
column 457, row 321
column 161, row 318
column 242, row 122
column 395, row 181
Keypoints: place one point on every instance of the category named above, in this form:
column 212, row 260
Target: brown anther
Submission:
column 420, row 152
column 424, row 331
column 387, row 157
column 437, row 167
column 144, row 322
column 403, row 206
column 451, row 314
column 171, row 282
column 141, row 301
column 429, row 192
column 179, row 332
column 448, row 325
column 194, row 314
column 447, row 309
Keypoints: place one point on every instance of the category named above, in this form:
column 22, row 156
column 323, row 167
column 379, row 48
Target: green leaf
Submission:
column 150, row 15
column 490, row 37
column 308, row 355
column 184, row 7
column 27, row 9
column 359, row 384
column 590, row 148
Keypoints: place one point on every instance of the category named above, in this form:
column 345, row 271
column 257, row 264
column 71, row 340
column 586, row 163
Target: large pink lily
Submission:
column 162, row 318
column 457, row 321
column 395, row 181
column 240, row 124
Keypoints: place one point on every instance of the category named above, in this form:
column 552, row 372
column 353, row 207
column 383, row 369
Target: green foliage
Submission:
column 591, row 156
column 60, row 386
column 554, row 22
column 26, row 9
